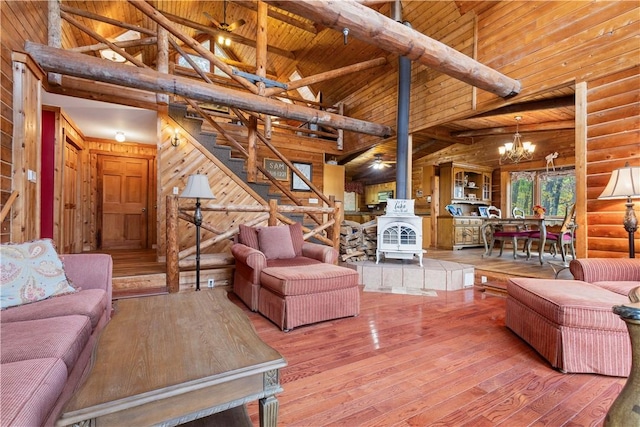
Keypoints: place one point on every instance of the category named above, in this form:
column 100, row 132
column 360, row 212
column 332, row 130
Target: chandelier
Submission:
column 517, row 150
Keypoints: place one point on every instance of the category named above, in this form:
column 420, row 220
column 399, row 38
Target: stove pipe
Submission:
column 402, row 120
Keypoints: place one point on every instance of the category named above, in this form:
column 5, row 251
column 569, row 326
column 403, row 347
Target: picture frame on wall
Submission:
column 297, row 184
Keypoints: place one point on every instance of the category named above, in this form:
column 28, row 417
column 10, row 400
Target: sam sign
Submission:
column 277, row 169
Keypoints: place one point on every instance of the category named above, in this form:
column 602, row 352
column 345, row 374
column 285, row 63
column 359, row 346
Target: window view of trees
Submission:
column 556, row 191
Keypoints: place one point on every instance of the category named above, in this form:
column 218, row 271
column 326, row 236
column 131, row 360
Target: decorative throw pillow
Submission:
column 31, row 272
column 297, row 239
column 248, row 236
column 275, row 242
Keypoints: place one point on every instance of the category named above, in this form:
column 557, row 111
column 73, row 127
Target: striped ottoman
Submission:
column 571, row 324
column 295, row 296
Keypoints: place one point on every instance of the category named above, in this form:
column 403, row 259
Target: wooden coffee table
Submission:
column 171, row 359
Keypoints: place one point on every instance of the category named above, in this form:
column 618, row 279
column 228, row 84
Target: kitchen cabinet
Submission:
column 371, row 191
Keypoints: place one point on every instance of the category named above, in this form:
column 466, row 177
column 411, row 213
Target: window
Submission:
column 204, row 64
column 555, row 190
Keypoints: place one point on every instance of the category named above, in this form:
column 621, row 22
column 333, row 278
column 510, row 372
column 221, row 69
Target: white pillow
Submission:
column 31, row 272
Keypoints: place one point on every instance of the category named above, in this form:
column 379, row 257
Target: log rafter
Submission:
column 372, row 27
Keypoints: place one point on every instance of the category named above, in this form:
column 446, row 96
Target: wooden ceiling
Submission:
column 298, row 43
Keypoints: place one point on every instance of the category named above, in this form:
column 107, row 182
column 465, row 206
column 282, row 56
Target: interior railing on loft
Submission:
column 326, row 232
column 7, row 206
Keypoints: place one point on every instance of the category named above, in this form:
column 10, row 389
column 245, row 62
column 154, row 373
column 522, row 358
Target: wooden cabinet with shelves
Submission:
column 465, row 187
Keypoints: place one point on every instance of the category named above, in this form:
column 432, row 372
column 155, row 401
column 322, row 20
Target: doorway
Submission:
column 123, row 202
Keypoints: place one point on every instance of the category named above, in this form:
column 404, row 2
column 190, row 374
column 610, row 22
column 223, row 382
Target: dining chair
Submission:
column 507, row 233
column 558, row 240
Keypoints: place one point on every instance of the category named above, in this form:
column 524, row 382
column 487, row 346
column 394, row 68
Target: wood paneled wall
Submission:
column 555, row 44
column 20, row 21
column 613, row 138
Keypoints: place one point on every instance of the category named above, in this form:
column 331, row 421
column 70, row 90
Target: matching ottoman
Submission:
column 571, row 324
column 295, row 296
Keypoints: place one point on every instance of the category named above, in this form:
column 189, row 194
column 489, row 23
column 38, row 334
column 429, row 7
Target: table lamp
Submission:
column 625, row 184
column 197, row 188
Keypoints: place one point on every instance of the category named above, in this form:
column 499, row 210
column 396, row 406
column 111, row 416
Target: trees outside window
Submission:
column 555, row 190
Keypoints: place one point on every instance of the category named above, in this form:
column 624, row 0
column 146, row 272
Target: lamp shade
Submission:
column 197, row 188
column 624, row 183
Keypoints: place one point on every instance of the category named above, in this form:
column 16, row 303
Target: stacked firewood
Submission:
column 358, row 242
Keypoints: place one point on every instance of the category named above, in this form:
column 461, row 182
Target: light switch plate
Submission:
column 176, row 190
column 31, row 175
column 315, row 201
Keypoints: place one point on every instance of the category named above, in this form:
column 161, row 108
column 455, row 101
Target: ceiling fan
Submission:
column 378, row 163
column 223, row 26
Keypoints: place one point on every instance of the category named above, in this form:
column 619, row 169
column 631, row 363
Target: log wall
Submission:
column 613, row 138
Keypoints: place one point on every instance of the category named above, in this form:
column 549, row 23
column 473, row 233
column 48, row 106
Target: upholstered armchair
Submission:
column 279, row 246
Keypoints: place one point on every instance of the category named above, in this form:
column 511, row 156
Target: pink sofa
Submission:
column 571, row 322
column 46, row 346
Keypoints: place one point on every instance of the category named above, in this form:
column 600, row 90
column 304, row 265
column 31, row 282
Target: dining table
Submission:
column 489, row 226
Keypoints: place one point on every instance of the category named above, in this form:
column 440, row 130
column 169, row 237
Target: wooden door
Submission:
column 123, row 184
column 70, row 226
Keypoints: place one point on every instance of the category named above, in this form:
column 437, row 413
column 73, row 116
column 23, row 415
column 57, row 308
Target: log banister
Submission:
column 7, row 206
column 272, row 213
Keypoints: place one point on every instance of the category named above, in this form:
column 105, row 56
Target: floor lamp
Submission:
column 197, row 188
column 625, row 184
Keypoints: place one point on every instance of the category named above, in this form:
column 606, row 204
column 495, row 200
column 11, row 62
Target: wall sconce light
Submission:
column 120, row 137
column 175, row 141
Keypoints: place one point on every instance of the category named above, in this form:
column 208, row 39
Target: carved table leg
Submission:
column 269, row 411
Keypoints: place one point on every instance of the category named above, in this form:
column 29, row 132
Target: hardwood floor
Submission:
column 416, row 361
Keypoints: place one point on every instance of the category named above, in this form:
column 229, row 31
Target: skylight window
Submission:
column 304, row 91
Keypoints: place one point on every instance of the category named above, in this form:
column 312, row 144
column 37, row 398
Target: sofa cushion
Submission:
column 275, row 242
column 90, row 302
column 30, row 272
column 570, row 303
column 29, row 390
column 62, row 337
column 619, row 287
column 248, row 236
column 308, row 279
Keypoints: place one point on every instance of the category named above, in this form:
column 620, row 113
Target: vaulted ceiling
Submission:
column 300, row 44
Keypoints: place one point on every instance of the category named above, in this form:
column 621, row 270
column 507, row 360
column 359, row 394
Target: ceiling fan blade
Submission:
column 236, row 24
column 212, row 19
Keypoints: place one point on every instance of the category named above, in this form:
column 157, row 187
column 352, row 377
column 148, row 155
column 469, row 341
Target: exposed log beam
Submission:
column 234, row 37
column 539, row 127
column 87, row 89
column 273, row 13
column 440, row 133
column 147, row 41
column 79, row 65
column 372, row 27
column 114, row 22
column 328, row 75
column 544, row 104
column 240, row 65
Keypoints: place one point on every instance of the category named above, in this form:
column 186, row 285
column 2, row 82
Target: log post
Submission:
column 273, row 212
column 54, row 35
column 252, row 149
column 173, row 249
column 335, row 229
column 163, row 62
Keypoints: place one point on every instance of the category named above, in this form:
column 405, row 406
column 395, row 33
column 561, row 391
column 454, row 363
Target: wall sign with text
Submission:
column 277, row 169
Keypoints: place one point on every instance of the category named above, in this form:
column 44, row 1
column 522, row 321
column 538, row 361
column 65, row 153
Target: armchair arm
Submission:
column 89, row 271
column 323, row 253
column 249, row 256
column 599, row 269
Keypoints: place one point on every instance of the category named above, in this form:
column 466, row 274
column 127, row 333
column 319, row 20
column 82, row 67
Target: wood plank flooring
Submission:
column 426, row 361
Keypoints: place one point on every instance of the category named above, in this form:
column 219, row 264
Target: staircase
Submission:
column 223, row 153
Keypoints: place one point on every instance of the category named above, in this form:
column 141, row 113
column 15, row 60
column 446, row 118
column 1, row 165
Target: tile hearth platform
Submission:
column 433, row 275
